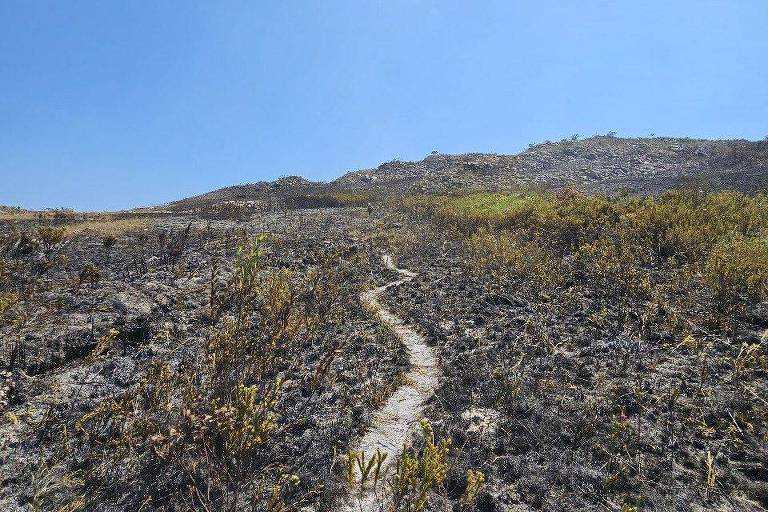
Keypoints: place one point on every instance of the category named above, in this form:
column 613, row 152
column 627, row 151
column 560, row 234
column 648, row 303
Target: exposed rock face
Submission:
column 598, row 164
column 601, row 164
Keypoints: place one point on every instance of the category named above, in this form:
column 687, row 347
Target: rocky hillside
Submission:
column 598, row 164
column 252, row 194
column 604, row 164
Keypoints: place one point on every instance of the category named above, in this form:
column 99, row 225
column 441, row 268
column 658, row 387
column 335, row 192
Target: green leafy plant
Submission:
column 475, row 485
column 417, row 473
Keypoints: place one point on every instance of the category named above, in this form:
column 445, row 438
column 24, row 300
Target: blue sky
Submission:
column 108, row 105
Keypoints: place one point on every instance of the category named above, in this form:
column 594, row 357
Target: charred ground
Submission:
column 599, row 352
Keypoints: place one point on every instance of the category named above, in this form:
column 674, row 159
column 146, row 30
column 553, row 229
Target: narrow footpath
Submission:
column 393, row 423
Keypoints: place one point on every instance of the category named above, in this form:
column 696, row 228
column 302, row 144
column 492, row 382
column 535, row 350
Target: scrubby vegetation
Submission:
column 621, row 240
column 598, row 353
column 189, row 367
column 609, row 339
column 210, row 432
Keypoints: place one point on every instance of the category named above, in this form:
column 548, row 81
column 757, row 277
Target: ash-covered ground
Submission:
column 85, row 317
column 570, row 399
column 594, row 352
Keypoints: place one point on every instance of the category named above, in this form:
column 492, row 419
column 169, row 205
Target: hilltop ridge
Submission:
column 597, row 164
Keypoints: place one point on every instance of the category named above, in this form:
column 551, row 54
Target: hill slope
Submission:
column 598, row 164
column 605, row 164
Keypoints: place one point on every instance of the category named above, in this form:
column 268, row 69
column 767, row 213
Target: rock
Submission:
column 135, row 313
column 122, row 370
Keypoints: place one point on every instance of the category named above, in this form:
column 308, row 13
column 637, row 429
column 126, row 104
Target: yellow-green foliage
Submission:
column 102, row 345
column 232, row 353
column 687, row 225
column 359, row 473
column 246, row 421
column 417, row 473
column 475, row 485
column 615, row 240
column 50, row 236
column 109, row 225
column 563, row 221
column 615, row 267
column 247, row 266
column 711, row 472
column 7, row 301
column 751, row 357
column 208, row 424
column 739, row 267
column 678, row 223
column 497, row 210
column 207, row 430
column 504, row 253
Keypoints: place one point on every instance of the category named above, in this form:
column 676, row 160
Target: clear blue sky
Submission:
column 108, row 104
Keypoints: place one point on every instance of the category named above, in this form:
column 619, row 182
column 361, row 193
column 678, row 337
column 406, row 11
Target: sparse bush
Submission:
column 616, row 240
column 207, row 434
column 50, row 236
column 89, row 274
column 417, row 473
column 419, row 470
column 108, row 242
column 504, row 255
column 737, row 269
column 361, row 474
column 475, row 485
column 8, row 300
column 612, row 265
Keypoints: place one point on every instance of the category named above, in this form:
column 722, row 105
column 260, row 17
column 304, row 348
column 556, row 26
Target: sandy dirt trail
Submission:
column 393, row 423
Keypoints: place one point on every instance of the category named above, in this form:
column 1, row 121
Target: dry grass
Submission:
column 18, row 215
column 75, row 223
column 108, row 225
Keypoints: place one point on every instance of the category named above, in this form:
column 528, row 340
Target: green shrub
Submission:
column 418, row 472
column 737, row 268
column 504, row 254
column 50, row 236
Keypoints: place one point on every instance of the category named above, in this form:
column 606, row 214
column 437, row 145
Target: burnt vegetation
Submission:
column 598, row 352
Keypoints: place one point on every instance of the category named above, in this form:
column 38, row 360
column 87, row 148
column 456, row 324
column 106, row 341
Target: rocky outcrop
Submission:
column 597, row 164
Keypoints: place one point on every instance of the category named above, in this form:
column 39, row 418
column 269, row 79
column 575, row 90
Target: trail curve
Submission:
column 392, row 424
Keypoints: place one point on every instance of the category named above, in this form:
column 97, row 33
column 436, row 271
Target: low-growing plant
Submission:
column 736, row 270
column 50, row 236
column 363, row 475
column 505, row 255
column 89, row 274
column 418, row 472
column 614, row 267
column 102, row 345
column 8, row 300
column 475, row 485
column 711, row 472
column 206, row 434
